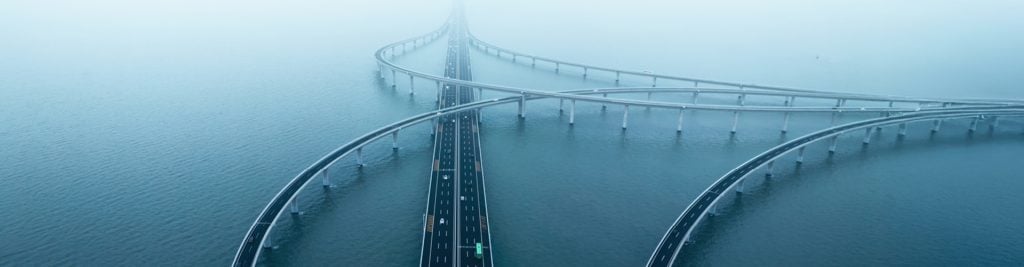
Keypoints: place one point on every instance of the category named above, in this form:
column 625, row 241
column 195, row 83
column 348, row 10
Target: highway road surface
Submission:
column 455, row 223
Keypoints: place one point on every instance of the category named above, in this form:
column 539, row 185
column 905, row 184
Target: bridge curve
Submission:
column 681, row 230
column 654, row 104
column 257, row 236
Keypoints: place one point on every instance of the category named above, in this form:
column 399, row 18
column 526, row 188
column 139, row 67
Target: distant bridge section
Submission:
column 697, row 82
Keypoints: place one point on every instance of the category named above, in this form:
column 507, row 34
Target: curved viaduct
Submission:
column 672, row 242
column 936, row 109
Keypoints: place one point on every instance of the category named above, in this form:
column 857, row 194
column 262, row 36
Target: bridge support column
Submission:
column 741, row 184
column 325, row 179
column 617, row 75
column 649, row 95
column 585, row 72
column 832, row 147
column 394, row 140
column 561, row 103
column 604, row 105
column 513, row 58
column 679, row 125
column 936, row 125
column 695, row 95
column 359, row 157
column 741, row 100
column 572, row 111
column 412, row 89
column 867, row 135
column 393, row 79
column 902, row 130
column 834, row 115
column 293, row 206
column 522, row 106
column 770, row 170
column 557, row 65
column 974, row 125
column 785, row 122
column 533, row 62
column 891, row 103
column 438, row 100
column 480, row 92
column 994, row 124
column 800, row 155
column 735, row 121
column 625, row 116
column 433, row 130
column 654, row 81
column 380, row 70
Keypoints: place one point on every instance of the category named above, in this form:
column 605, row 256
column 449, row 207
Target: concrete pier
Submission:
column 394, row 140
column 735, row 121
column 359, row 157
column 572, row 111
column 625, row 116
column 679, row 125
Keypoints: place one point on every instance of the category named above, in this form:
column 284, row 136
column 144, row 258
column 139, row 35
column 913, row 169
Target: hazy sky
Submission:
column 962, row 48
column 875, row 45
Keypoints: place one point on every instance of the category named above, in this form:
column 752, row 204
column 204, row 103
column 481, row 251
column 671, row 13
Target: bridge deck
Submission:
column 456, row 216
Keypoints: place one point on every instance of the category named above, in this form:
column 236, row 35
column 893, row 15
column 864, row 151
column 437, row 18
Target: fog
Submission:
column 165, row 126
column 956, row 48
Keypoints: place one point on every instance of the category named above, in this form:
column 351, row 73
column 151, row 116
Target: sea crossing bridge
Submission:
column 681, row 231
column 455, row 232
column 457, row 186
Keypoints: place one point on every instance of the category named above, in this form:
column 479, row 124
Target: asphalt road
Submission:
column 456, row 217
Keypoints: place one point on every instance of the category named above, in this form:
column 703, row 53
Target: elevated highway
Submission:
column 682, row 229
column 910, row 109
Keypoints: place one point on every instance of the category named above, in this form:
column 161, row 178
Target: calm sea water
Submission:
column 141, row 134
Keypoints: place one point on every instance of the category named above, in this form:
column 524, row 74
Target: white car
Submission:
column 442, row 220
column 445, row 177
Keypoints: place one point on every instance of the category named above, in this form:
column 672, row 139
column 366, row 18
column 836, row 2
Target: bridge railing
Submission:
column 386, row 63
column 258, row 235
